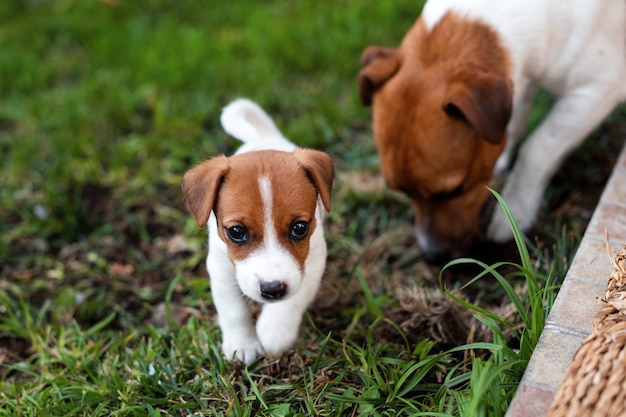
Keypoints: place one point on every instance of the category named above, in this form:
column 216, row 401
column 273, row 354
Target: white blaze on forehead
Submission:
column 269, row 231
column 271, row 245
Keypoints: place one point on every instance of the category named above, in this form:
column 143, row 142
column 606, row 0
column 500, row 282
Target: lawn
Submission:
column 105, row 305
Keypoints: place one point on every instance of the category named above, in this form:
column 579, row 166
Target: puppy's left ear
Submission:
column 482, row 99
column 320, row 169
column 201, row 185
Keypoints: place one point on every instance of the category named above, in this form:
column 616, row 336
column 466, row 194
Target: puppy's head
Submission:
column 439, row 128
column 265, row 205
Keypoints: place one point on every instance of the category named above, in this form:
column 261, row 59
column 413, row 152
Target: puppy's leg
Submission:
column 238, row 335
column 235, row 319
column 571, row 119
column 278, row 325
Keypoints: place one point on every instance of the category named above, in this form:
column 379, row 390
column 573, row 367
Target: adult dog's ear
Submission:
column 320, row 169
column 482, row 99
column 378, row 65
column 201, row 185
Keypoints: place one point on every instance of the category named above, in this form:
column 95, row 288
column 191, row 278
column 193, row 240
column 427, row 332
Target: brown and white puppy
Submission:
column 264, row 208
column 449, row 105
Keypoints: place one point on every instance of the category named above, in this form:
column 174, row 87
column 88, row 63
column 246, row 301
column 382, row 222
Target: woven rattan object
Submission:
column 595, row 382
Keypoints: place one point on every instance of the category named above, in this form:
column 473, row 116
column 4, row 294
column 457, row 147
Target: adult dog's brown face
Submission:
column 439, row 124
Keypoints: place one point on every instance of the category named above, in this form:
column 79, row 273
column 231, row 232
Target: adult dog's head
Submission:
column 440, row 113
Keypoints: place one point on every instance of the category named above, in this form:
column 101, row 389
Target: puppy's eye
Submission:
column 299, row 230
column 449, row 195
column 237, row 234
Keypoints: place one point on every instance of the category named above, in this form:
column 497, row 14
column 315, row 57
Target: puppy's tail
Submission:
column 245, row 120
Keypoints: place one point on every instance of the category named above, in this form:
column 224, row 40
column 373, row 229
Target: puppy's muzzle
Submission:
column 273, row 290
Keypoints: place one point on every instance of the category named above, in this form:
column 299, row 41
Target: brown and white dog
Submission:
column 264, row 207
column 450, row 103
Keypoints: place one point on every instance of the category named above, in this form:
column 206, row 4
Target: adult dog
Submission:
column 450, row 103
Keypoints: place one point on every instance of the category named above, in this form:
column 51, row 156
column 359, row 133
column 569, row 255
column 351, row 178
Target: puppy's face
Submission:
column 265, row 205
column 439, row 129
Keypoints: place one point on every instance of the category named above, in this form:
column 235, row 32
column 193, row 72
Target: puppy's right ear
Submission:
column 378, row 65
column 201, row 185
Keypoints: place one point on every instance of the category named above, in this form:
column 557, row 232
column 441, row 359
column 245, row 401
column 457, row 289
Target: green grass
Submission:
column 105, row 307
column 492, row 380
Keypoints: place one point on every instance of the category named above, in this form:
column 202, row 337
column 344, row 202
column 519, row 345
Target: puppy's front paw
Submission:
column 246, row 350
column 277, row 333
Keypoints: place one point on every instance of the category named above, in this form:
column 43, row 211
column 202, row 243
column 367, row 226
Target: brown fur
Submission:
column 441, row 104
column 230, row 187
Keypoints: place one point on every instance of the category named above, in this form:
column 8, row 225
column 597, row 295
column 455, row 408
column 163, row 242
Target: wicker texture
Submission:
column 595, row 382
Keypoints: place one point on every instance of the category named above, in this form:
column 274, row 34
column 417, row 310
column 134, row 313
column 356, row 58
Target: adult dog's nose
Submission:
column 273, row 290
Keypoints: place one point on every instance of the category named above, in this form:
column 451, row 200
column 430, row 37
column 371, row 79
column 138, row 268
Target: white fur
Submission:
column 575, row 49
column 277, row 327
column 245, row 120
column 427, row 242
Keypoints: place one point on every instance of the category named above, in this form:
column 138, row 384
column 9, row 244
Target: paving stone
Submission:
column 591, row 263
column 576, row 303
column 611, row 217
column 536, row 402
column 551, row 357
column 615, row 190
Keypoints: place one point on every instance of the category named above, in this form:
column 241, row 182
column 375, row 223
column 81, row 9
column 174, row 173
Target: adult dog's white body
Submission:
column 574, row 49
column 266, row 240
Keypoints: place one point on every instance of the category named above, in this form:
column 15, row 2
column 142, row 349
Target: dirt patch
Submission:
column 12, row 351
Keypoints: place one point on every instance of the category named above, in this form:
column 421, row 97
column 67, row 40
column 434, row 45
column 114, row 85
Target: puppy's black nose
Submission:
column 273, row 290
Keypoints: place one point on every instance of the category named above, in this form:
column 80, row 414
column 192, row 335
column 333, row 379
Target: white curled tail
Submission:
column 245, row 120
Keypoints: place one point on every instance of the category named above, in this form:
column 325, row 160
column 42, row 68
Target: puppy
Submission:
column 264, row 208
column 450, row 103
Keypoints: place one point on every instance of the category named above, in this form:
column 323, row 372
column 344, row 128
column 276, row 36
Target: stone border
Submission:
column 577, row 303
